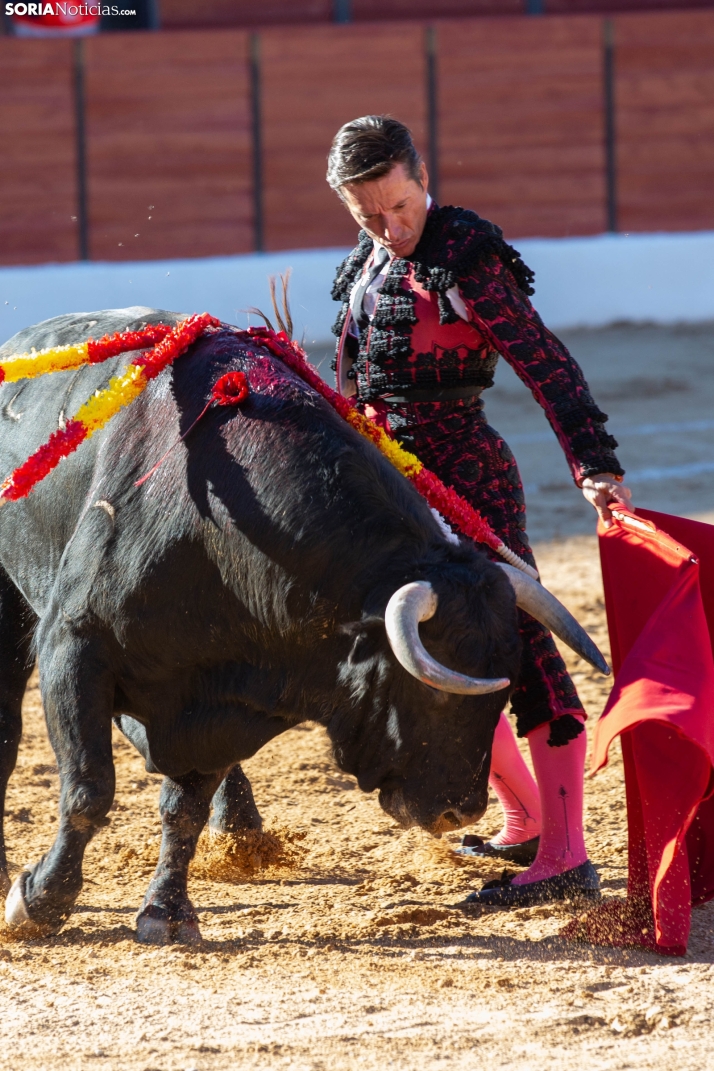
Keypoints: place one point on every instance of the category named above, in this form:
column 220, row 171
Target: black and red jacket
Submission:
column 415, row 340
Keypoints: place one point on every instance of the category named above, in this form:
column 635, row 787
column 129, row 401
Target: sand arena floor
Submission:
column 352, row 954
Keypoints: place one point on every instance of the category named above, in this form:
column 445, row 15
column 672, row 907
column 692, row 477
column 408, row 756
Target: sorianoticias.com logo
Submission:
column 66, row 11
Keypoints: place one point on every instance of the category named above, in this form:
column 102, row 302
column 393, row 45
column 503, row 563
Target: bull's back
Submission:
column 278, row 494
column 35, row 531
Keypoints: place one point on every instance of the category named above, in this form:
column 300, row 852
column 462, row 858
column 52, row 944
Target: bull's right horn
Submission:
column 544, row 607
column 407, row 607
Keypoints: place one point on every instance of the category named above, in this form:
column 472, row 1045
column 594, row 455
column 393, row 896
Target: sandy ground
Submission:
column 355, row 956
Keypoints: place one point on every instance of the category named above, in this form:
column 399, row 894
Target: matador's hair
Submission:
column 368, row 148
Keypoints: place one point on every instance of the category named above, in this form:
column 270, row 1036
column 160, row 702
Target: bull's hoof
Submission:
column 17, row 916
column 186, row 933
column 16, row 913
column 154, row 926
column 162, row 932
column 153, row 931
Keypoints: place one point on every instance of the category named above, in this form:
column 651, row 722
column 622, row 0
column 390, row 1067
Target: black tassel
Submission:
column 563, row 730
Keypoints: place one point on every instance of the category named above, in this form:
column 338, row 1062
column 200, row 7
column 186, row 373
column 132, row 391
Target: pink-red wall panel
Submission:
column 665, row 121
column 168, row 137
column 313, row 81
column 38, row 193
column 521, row 137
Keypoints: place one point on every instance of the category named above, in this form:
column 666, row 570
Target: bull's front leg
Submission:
column 167, row 915
column 78, row 692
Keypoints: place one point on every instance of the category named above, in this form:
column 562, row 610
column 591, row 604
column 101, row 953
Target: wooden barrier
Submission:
column 195, row 14
column 664, row 101
column 38, row 188
column 521, row 136
column 555, row 126
column 312, row 81
column 169, row 145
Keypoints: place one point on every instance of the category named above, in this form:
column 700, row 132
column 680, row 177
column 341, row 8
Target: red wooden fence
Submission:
column 313, row 81
column 521, row 123
column 37, row 152
column 226, row 133
column 665, row 121
column 192, row 14
column 168, row 145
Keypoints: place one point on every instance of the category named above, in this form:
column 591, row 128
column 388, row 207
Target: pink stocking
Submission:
column 515, row 788
column 559, row 772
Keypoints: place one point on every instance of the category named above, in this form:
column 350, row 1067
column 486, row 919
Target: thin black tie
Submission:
column 381, row 256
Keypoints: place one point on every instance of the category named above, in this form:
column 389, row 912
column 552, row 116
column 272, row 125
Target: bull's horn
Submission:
column 407, row 607
column 544, row 607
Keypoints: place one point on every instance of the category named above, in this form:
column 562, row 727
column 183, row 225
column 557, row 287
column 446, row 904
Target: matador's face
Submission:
column 392, row 209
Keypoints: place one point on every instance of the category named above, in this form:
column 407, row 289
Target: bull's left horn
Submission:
column 544, row 607
column 407, row 607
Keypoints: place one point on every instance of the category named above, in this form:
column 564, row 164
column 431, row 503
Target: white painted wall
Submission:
column 223, row 286
column 580, row 282
column 591, row 282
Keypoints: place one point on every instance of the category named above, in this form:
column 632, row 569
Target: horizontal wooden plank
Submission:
column 610, row 7
column 169, row 145
column 38, row 207
column 666, row 28
column 373, row 10
column 187, row 14
column 521, row 136
column 314, row 81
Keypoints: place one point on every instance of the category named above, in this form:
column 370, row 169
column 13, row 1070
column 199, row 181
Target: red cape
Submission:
column 658, row 574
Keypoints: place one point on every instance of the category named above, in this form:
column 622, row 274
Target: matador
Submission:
column 431, row 297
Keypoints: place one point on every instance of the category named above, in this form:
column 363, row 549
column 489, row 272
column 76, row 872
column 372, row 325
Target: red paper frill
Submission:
column 101, row 349
column 60, row 443
column 230, row 389
column 174, row 344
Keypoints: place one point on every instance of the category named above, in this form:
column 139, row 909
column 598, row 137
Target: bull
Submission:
column 273, row 570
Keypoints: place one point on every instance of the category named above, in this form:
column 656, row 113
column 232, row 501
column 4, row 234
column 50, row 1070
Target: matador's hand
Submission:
column 601, row 490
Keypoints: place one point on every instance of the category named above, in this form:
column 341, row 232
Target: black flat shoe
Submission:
column 581, row 883
column 522, row 854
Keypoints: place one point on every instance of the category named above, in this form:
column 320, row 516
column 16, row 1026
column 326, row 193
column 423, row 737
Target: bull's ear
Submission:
column 367, row 638
column 368, row 623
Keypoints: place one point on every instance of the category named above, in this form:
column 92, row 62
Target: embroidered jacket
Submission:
column 416, row 340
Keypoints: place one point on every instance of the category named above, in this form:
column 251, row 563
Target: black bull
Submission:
column 239, row 591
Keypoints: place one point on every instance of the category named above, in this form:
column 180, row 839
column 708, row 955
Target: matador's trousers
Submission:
column 454, row 441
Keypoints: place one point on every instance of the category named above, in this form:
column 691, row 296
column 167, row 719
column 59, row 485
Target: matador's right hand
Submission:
column 604, row 490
